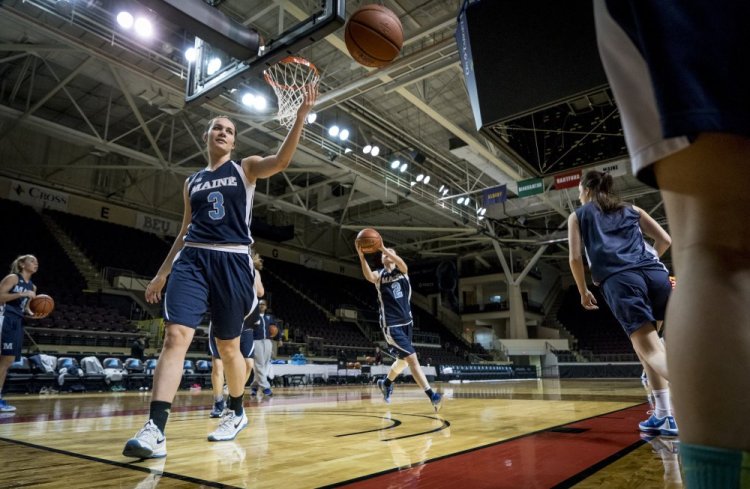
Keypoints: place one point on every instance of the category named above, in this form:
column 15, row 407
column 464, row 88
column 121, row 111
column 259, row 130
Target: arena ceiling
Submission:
column 114, row 105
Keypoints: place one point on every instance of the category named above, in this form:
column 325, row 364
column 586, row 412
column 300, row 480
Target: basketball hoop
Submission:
column 288, row 78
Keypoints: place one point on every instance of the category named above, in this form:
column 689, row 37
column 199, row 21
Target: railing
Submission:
column 109, row 274
column 426, row 338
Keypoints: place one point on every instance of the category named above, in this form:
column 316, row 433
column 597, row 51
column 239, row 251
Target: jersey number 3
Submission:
column 217, row 199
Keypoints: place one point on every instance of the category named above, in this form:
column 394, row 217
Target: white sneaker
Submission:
column 230, row 425
column 149, row 442
column 5, row 407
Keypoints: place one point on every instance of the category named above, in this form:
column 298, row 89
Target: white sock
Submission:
column 663, row 405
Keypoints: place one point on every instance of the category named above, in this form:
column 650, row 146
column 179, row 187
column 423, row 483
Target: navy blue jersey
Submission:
column 221, row 202
column 262, row 324
column 16, row 307
column 614, row 241
column 394, row 295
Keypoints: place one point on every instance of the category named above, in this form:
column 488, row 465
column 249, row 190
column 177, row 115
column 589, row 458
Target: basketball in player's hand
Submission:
column 273, row 330
column 369, row 240
column 42, row 305
column 373, row 36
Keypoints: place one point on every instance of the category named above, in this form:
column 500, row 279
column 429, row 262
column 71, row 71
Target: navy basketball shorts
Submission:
column 247, row 345
column 11, row 335
column 399, row 338
column 637, row 296
column 674, row 69
column 206, row 280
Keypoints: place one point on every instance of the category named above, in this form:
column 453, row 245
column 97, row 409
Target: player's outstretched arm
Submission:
column 263, row 167
column 400, row 263
column 366, row 270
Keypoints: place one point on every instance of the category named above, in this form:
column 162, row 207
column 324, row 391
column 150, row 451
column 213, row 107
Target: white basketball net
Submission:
column 288, row 78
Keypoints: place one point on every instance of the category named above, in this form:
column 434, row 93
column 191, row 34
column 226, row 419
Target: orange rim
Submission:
column 288, row 60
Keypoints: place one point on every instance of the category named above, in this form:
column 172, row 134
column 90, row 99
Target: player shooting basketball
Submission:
column 210, row 269
column 394, row 295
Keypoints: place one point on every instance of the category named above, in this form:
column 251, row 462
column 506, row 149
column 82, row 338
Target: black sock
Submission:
column 429, row 393
column 235, row 404
column 159, row 413
column 387, row 382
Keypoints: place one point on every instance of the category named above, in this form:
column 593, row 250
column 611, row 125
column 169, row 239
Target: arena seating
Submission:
column 600, row 337
column 112, row 245
column 27, row 234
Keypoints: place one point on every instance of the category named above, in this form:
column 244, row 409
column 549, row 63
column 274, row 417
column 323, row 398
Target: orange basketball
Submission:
column 373, row 36
column 369, row 240
column 273, row 330
column 42, row 305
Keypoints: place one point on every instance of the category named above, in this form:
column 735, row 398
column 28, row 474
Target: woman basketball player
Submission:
column 633, row 280
column 246, row 346
column 394, row 296
column 210, row 269
column 16, row 290
column 674, row 69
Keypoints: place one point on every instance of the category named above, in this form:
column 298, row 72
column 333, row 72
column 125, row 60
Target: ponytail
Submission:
column 257, row 261
column 15, row 267
column 599, row 184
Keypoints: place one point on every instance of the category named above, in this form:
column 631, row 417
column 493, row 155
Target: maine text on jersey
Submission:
column 211, row 184
column 386, row 279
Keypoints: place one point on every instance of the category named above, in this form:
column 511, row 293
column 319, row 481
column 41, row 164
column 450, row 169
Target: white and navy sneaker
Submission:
column 218, row 409
column 149, row 442
column 5, row 407
column 387, row 391
column 437, row 401
column 230, row 426
column 665, row 426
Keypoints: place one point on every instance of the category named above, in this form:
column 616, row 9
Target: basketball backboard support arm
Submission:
column 290, row 42
column 209, row 24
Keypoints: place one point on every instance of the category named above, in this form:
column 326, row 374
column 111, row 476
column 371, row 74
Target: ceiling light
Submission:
column 420, row 177
column 143, row 27
column 445, row 192
column 260, row 103
column 467, row 201
column 347, row 151
column 344, row 134
column 413, row 183
column 191, row 54
column 441, row 188
column 426, row 179
column 366, row 150
column 248, row 99
column 403, row 168
column 213, row 66
column 311, row 117
column 460, row 200
column 125, row 19
column 395, row 164
column 375, row 151
column 333, row 131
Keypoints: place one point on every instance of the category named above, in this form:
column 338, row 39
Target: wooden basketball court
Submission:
column 510, row 434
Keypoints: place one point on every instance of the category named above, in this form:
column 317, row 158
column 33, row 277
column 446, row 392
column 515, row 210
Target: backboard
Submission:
column 278, row 38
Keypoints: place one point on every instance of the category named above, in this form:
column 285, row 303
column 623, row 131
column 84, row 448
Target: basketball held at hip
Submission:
column 42, row 305
column 369, row 241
